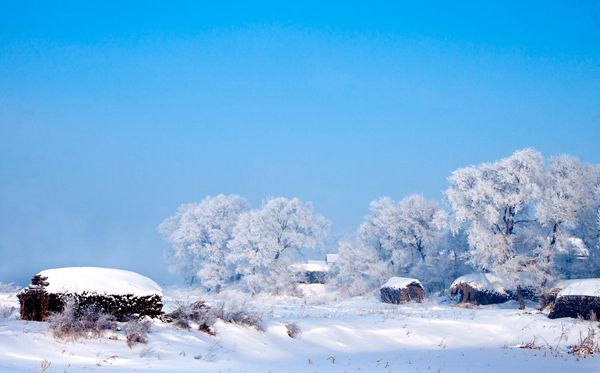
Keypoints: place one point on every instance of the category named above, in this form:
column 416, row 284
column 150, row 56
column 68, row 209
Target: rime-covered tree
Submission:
column 263, row 240
column 404, row 233
column 359, row 267
column 493, row 202
column 568, row 197
column 198, row 234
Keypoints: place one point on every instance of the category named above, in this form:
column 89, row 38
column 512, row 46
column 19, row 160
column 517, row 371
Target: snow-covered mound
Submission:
column 400, row 282
column 96, row 280
column 482, row 281
column 490, row 288
column 580, row 298
column 588, row 287
column 494, row 282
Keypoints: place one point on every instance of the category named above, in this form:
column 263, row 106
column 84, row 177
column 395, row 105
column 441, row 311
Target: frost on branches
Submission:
column 199, row 234
column 220, row 241
column 521, row 217
column 265, row 239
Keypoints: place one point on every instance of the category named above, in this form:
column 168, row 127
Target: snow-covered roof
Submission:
column 494, row 282
column 482, row 281
column 332, row 258
column 77, row 280
column 587, row 287
column 400, row 282
column 311, row 266
column 561, row 284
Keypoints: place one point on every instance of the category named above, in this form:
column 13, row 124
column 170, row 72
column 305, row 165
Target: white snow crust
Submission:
column 77, row 280
column 587, row 287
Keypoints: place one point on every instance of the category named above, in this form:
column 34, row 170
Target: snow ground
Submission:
column 353, row 335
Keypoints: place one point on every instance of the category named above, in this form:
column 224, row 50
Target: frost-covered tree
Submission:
column 264, row 239
column 403, row 233
column 359, row 267
column 568, row 197
column 493, row 202
column 199, row 234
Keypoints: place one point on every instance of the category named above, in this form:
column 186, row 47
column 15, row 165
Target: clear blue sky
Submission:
column 114, row 113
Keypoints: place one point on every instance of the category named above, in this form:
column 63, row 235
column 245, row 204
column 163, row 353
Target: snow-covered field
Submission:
column 353, row 335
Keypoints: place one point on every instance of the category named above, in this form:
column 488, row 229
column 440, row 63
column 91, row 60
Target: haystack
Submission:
column 123, row 294
column 401, row 290
column 580, row 298
column 488, row 288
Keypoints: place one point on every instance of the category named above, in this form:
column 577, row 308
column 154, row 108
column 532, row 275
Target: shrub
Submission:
column 235, row 314
column 587, row 345
column 136, row 331
column 293, row 330
column 74, row 322
column 198, row 312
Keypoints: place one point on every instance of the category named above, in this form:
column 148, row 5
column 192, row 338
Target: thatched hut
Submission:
column 580, row 298
column 489, row 288
column 120, row 293
column 401, row 290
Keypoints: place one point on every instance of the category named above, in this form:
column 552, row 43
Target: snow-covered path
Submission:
column 355, row 335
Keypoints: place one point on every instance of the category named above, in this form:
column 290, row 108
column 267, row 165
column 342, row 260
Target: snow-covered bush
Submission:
column 74, row 322
column 136, row 331
column 197, row 312
column 239, row 314
column 293, row 330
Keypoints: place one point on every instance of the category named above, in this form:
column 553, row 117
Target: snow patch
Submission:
column 78, row 280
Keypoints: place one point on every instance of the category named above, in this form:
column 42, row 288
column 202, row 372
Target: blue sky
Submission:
column 114, row 113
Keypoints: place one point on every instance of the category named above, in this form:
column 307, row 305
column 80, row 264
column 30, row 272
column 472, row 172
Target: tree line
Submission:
column 527, row 219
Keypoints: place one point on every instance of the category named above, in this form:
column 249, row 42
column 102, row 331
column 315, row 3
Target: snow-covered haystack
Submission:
column 580, row 298
column 312, row 272
column 548, row 297
column 117, row 292
column 488, row 288
column 401, row 290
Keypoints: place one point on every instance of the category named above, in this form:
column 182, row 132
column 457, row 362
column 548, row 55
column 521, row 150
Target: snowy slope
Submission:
column 357, row 334
column 77, row 280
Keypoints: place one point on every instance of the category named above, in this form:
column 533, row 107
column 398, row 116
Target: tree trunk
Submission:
column 520, row 298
